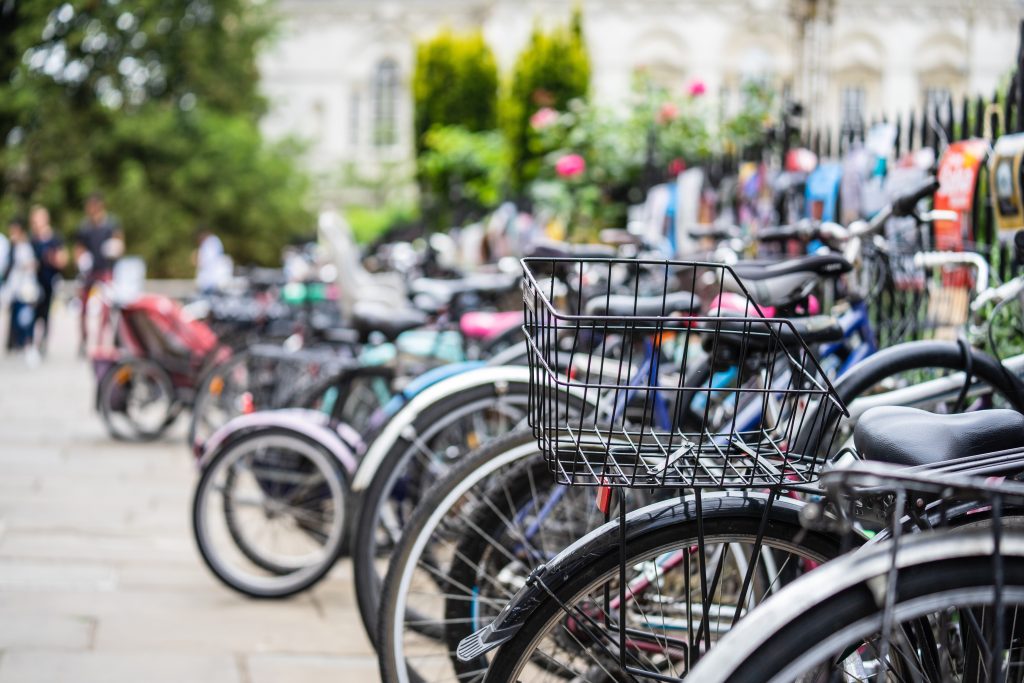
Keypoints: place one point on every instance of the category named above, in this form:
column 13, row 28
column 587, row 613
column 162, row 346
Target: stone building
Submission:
column 339, row 73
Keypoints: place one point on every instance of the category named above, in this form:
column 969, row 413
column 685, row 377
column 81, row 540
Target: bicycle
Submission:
column 943, row 604
column 687, row 519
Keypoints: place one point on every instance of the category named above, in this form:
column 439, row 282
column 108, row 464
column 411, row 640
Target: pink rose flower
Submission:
column 668, row 112
column 696, row 88
column 543, row 118
column 570, row 166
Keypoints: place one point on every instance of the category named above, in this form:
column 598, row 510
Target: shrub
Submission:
column 551, row 71
column 455, row 83
column 463, row 174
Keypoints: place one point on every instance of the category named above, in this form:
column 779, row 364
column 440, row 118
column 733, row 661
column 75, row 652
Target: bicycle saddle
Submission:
column 909, row 436
column 369, row 317
column 814, row 329
column 713, row 231
column 780, row 283
column 822, row 265
column 644, row 306
column 442, row 292
column 555, row 249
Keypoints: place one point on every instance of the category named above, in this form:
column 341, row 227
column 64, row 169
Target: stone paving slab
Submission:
column 99, row 576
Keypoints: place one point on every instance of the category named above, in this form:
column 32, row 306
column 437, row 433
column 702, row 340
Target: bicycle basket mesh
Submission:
column 685, row 383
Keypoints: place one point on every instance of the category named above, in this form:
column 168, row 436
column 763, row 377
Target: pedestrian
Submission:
column 21, row 285
column 99, row 242
column 52, row 257
column 5, row 250
column 209, row 260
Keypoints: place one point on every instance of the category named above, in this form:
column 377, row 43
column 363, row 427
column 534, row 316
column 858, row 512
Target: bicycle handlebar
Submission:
column 933, row 259
column 905, row 205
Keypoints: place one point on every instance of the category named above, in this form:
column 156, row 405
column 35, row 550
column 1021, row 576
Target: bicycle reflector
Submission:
column 604, row 498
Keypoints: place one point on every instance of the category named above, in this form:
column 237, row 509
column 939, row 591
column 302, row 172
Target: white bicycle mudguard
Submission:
column 392, row 431
column 311, row 424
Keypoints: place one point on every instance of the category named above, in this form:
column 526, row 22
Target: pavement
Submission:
column 100, row 580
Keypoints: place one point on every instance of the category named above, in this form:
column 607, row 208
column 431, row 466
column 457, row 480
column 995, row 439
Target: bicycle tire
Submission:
column 107, row 410
column 780, row 531
column 911, row 356
column 283, row 584
column 494, row 459
column 371, row 501
column 837, row 606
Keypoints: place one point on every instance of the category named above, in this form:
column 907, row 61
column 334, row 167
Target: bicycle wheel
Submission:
column 440, row 435
column 688, row 580
column 136, row 400
column 904, row 374
column 269, row 513
column 829, row 625
column 221, row 395
column 468, row 548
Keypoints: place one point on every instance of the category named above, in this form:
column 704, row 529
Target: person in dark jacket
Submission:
column 99, row 242
column 51, row 257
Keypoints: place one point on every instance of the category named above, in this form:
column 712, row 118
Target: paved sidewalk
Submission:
column 99, row 576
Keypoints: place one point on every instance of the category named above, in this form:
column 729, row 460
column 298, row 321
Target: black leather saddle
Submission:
column 368, row 317
column 556, row 249
column 644, row 306
column 760, row 336
column 911, row 437
column 822, row 265
column 781, row 283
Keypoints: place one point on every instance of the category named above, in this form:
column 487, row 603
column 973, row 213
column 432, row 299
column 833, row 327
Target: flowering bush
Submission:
column 570, row 166
column 598, row 160
column 543, row 118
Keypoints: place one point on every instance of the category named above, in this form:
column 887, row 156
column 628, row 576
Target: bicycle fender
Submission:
column 311, row 424
column 394, row 427
column 426, row 380
column 604, row 541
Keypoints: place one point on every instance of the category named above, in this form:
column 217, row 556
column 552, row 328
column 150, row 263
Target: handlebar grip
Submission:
column 904, row 206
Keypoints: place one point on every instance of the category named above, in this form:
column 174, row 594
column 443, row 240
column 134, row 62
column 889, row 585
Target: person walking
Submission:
column 99, row 242
column 210, row 261
column 52, row 258
column 21, row 284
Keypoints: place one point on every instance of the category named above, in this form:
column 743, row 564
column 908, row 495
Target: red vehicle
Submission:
column 149, row 358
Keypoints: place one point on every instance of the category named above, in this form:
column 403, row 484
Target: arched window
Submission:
column 385, row 99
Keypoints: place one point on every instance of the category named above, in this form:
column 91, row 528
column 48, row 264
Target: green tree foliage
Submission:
column 463, row 173
column 746, row 128
column 155, row 103
column 455, row 84
column 552, row 70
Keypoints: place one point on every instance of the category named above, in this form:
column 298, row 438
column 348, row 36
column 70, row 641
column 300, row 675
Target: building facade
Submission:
column 338, row 76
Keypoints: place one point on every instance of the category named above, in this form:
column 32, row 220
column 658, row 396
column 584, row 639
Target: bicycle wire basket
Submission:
column 673, row 397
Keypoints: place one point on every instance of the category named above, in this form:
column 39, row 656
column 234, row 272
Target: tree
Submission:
column 455, row 94
column 463, row 174
column 455, row 84
column 156, row 104
column 551, row 71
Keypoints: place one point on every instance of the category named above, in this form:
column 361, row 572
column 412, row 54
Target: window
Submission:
column 851, row 110
column 385, row 98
